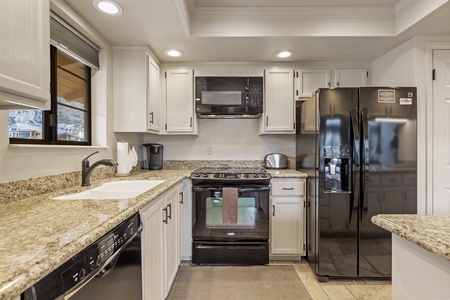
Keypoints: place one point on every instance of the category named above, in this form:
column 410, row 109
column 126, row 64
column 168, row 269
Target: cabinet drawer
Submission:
column 374, row 180
column 287, row 188
column 410, row 179
column 392, row 180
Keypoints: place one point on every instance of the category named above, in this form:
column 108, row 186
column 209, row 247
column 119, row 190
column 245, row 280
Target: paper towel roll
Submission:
column 122, row 158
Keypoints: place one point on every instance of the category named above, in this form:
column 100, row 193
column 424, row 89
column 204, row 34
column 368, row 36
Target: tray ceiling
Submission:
column 254, row 30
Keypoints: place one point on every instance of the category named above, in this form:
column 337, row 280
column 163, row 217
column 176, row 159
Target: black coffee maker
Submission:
column 154, row 156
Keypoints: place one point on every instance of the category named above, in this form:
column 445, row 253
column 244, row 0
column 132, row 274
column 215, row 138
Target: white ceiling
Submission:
column 254, row 30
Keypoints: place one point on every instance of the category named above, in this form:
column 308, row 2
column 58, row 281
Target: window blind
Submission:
column 66, row 38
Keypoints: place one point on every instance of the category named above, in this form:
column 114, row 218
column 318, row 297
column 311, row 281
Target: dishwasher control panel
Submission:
column 95, row 259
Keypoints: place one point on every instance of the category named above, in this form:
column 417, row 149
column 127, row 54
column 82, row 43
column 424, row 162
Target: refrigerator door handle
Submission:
column 365, row 160
column 355, row 180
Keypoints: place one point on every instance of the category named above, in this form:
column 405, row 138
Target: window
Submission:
column 68, row 122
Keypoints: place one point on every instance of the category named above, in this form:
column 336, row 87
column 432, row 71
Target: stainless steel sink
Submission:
column 123, row 189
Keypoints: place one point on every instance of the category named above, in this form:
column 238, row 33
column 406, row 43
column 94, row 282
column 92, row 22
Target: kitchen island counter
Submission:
column 420, row 255
column 430, row 232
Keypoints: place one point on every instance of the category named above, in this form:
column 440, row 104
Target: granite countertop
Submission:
column 41, row 233
column 286, row 173
column 431, row 232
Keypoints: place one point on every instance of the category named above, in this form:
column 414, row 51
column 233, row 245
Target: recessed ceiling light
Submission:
column 108, row 7
column 284, row 54
column 173, row 53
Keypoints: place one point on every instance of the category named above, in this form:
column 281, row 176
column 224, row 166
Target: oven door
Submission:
column 241, row 240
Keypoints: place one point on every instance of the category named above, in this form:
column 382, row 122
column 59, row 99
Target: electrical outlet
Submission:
column 209, row 150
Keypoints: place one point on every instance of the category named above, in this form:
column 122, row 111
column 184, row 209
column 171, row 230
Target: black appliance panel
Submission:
column 229, row 95
column 231, row 244
column 92, row 261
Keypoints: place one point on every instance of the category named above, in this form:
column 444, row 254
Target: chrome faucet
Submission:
column 86, row 170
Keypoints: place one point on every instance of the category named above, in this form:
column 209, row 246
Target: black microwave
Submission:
column 229, row 97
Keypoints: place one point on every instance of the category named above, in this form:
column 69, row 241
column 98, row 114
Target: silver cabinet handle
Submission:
column 288, row 189
column 182, row 200
column 273, row 210
column 267, row 121
column 191, row 123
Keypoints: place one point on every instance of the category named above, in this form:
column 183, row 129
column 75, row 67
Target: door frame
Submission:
column 430, row 47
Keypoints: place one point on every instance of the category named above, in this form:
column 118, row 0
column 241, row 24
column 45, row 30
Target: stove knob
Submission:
column 196, row 175
column 256, row 175
column 263, row 175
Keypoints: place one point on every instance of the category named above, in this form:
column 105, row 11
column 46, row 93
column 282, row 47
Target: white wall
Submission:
column 23, row 162
column 406, row 66
column 230, row 139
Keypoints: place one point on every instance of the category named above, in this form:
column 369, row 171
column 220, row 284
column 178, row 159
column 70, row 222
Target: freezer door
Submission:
column 337, row 224
column 389, row 161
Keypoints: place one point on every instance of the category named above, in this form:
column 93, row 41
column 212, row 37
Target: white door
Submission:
column 441, row 133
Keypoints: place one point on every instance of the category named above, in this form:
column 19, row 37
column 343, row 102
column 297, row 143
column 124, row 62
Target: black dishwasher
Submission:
column 110, row 268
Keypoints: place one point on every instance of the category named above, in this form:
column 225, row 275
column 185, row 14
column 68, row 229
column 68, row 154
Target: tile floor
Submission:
column 340, row 289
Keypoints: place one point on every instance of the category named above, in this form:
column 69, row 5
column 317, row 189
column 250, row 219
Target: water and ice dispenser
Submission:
column 337, row 169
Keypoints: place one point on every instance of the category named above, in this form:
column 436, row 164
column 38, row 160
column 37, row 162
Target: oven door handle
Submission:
column 240, row 189
column 231, row 247
column 254, row 189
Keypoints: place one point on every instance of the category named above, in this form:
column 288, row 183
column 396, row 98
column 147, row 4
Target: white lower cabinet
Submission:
column 160, row 244
column 153, row 250
column 287, row 218
column 171, row 239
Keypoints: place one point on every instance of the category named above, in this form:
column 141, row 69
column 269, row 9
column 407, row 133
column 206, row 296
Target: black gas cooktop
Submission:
column 230, row 173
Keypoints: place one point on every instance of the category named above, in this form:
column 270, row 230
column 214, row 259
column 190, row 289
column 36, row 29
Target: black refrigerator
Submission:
column 359, row 146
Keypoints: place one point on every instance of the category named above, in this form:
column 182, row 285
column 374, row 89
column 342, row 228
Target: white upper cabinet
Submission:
column 307, row 81
column 350, row 77
column 309, row 122
column 136, row 90
column 153, row 95
column 180, row 117
column 279, row 110
column 25, row 54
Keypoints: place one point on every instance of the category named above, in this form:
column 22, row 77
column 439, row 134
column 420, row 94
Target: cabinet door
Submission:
column 309, row 113
column 153, row 251
column 180, row 101
column 153, row 95
column 130, row 89
column 136, row 90
column 279, row 112
column 307, row 81
column 25, row 54
column 350, row 77
column 287, row 236
column 171, row 238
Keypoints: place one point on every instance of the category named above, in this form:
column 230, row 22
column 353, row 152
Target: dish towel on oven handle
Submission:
column 230, row 205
